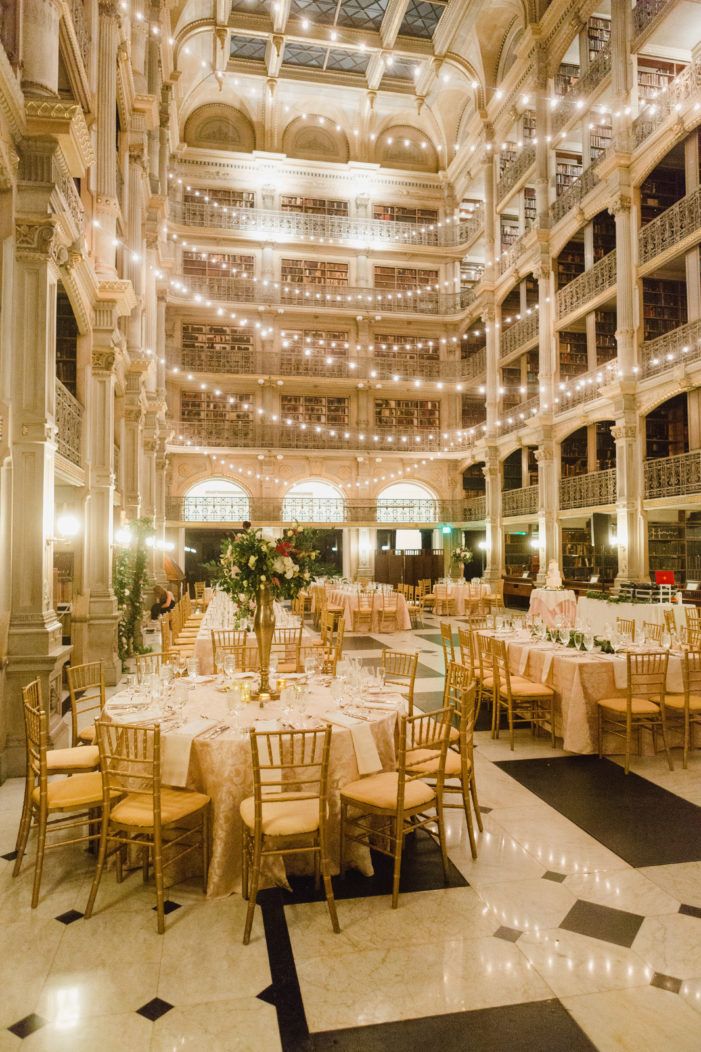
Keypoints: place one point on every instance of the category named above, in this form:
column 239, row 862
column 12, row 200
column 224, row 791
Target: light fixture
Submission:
column 67, row 526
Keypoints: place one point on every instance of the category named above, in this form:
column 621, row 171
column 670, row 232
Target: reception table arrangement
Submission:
column 349, row 596
column 599, row 613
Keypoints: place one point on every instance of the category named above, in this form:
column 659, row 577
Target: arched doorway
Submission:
column 216, row 500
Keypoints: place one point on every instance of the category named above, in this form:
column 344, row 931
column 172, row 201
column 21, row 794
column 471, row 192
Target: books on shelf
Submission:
column 407, row 413
column 313, row 272
column 402, row 214
column 231, row 199
column 404, row 278
column 217, row 265
column 317, row 206
column 215, row 347
column 315, row 409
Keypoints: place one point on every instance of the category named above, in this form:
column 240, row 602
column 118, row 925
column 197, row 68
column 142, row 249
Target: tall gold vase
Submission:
column 264, row 628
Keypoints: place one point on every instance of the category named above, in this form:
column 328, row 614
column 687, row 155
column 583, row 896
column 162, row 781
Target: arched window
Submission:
column 407, row 502
column 313, row 501
column 216, row 500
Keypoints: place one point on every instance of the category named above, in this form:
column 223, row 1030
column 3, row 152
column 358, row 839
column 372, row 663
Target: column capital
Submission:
column 104, row 360
column 542, row 270
column 620, row 203
column 37, row 240
column 544, row 454
column 623, row 432
column 108, row 9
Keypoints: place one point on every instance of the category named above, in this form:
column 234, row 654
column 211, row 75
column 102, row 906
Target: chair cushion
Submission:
column 526, row 688
column 81, row 758
column 80, row 790
column 425, row 761
column 87, row 735
column 291, row 814
column 380, row 790
column 176, row 804
column 676, row 701
column 639, row 706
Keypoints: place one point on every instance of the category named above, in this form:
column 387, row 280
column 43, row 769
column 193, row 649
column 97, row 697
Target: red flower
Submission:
column 283, row 548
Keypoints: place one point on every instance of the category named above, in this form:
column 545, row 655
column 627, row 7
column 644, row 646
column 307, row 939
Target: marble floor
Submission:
column 577, row 927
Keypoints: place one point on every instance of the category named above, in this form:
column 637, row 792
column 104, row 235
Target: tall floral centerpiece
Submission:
column 461, row 557
column 255, row 571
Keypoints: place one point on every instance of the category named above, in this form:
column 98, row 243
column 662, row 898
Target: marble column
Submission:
column 494, row 551
column 620, row 208
column 40, row 22
column 548, row 506
column 106, row 204
column 630, row 516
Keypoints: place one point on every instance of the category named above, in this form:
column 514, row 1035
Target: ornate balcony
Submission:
column 588, row 491
column 673, row 476
column 69, row 425
column 646, row 12
column 518, row 416
column 655, row 112
column 332, row 297
column 522, row 501
column 520, row 334
column 80, row 27
column 675, row 225
column 313, row 509
column 574, row 194
column 583, row 388
column 677, row 346
column 512, row 253
column 515, row 172
column 587, row 286
column 475, row 509
column 266, row 224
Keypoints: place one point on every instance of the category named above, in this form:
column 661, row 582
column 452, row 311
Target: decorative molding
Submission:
column 37, row 240
column 65, row 122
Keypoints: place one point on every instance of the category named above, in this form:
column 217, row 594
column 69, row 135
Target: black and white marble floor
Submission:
column 578, row 927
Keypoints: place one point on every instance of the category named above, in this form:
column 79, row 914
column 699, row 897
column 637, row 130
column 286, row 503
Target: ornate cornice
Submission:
column 65, row 122
column 37, row 240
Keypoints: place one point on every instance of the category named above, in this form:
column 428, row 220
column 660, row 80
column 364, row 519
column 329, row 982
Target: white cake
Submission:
column 553, row 578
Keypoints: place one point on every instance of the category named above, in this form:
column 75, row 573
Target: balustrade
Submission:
column 69, row 424
column 673, row 476
column 522, row 501
column 225, row 508
column 520, row 333
column 588, row 491
column 679, row 345
column 669, row 100
column 645, row 11
column 80, row 27
column 584, row 388
column 515, row 171
column 519, row 415
column 574, row 194
column 586, row 286
column 679, row 221
column 474, row 509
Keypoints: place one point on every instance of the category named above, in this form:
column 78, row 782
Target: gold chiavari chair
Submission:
column 388, row 613
column 186, row 628
column 150, row 664
column 285, row 648
column 486, row 679
column 227, row 640
column 460, row 697
column 399, row 668
column 78, row 797
column 388, row 806
column 642, row 706
column 86, row 688
column 494, row 600
column 523, row 700
column 447, row 645
column 290, row 802
column 329, row 619
column 413, row 605
column 626, row 626
column 670, row 621
column 426, row 598
column 652, row 632
column 685, row 708
column 137, row 809
column 200, row 592
column 184, row 648
column 362, row 613
column 446, row 604
column 692, row 615
column 691, row 637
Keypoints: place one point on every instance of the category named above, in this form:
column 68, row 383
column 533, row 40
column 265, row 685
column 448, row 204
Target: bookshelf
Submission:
column 518, row 554
column 234, row 199
column 573, row 454
column 314, row 272
column 310, row 341
column 573, row 354
column 532, row 372
column 605, row 327
column 666, row 429
column 315, row 206
column 407, row 414
column 655, row 74
column 66, row 343
column 693, row 547
column 662, row 188
column 566, row 77
column 664, row 306
column 472, row 411
column 472, row 344
column 470, row 273
column 413, row 348
column 530, row 210
column 600, row 138
column 507, row 155
column 528, row 125
column 511, row 471
column 206, row 407
column 599, row 36
column 570, row 263
column 605, row 446
column 315, row 409
column 402, row 214
column 568, row 168
column 215, row 348
column 468, row 205
column 604, row 230
column 666, row 546
column 509, row 231
column 577, row 553
column 217, row 265
column 404, row 278
column 473, row 482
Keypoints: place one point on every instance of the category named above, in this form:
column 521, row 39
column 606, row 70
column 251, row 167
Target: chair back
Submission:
column 176, row 620
column 328, row 627
column 691, row 637
column 692, row 614
column 423, row 731
column 167, row 640
column 626, row 626
column 691, row 671
column 484, row 653
column 86, row 686
column 36, row 727
column 227, row 640
column 290, row 762
column 646, row 675
column 652, row 631
column 150, row 664
column 130, row 762
column 447, row 644
column 400, row 667
column 389, row 602
column 286, row 645
column 502, row 672
column 186, row 606
column 465, row 646
column 460, row 696
column 199, row 591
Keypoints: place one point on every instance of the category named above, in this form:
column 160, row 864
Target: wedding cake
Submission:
column 553, row 578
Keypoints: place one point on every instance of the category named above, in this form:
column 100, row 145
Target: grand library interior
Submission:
column 350, row 503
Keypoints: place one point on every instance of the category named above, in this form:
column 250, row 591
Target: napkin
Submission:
column 366, row 754
column 270, row 774
column 145, row 715
column 523, row 661
column 389, row 706
column 547, row 665
column 175, row 750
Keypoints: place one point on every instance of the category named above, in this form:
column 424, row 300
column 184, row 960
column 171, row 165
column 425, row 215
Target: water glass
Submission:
column 564, row 635
column 229, row 666
column 588, row 641
column 192, row 666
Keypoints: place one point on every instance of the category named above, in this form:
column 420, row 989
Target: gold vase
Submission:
column 264, row 628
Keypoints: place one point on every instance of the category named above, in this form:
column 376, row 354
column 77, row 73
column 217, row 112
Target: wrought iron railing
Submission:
column 574, row 194
column 522, row 501
column 673, row 476
column 583, row 388
column 80, row 27
column 645, row 11
column 336, row 297
column 69, row 424
column 520, row 333
column 669, row 100
column 519, row 415
column 679, row 345
column 225, row 508
column 512, row 253
column 586, row 286
column 71, row 197
column 679, row 221
column 474, row 509
column 588, row 491
column 515, row 171
column 300, row 226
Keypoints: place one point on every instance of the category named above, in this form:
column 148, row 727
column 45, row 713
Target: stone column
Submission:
column 494, row 552
column 164, row 139
column 268, row 262
column 620, row 208
column 40, row 21
column 34, row 647
column 106, row 204
column 492, row 377
column 135, row 246
column 630, row 516
column 546, row 353
column 161, row 499
column 692, row 169
column 548, row 506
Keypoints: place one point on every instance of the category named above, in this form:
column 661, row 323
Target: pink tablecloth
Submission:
column 350, row 602
column 552, row 603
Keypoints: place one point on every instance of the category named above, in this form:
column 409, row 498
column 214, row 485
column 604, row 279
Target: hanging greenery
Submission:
column 129, row 573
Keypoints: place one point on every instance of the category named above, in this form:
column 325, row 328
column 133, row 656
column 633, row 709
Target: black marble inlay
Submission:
column 536, row 1025
column 690, row 911
column 169, row 906
column 603, row 922
column 666, row 982
column 642, row 823
column 556, row 877
column 154, row 1009
column 24, row 1027
column 424, row 672
column 69, row 917
column 267, row 995
column 284, row 992
column 486, row 810
column 10, row 856
column 363, row 643
column 435, row 637
column 508, row 934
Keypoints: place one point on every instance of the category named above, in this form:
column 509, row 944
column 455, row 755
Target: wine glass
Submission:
column 563, row 634
column 588, row 641
column 230, row 668
column 192, row 665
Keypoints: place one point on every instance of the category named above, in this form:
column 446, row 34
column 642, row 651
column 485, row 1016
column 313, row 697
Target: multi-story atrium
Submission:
column 425, row 277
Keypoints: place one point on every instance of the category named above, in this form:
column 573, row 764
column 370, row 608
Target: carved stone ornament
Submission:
column 620, row 432
column 39, row 241
column 542, row 271
column 620, row 203
column 544, row 454
column 108, row 9
column 103, row 360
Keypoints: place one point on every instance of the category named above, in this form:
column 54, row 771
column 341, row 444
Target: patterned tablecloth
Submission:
column 550, row 604
column 598, row 613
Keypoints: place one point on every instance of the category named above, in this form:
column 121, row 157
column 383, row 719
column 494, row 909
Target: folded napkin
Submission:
column 147, row 715
column 523, row 661
column 379, row 691
column 175, row 750
column 366, row 754
column 126, row 700
column 386, row 706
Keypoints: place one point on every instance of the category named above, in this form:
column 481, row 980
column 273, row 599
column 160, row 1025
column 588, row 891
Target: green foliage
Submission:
column 129, row 576
column 248, row 560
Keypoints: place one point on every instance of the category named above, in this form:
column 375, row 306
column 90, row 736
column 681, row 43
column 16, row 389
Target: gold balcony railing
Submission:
column 520, row 334
column 574, row 194
column 474, row 509
column 678, row 223
column 673, row 476
column 223, row 508
column 515, row 172
column 588, row 491
column 669, row 101
column 585, row 287
column 69, row 424
column 518, row 416
column 677, row 346
column 584, row 388
column 523, row 501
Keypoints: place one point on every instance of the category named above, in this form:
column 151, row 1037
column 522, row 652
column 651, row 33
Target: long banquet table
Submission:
column 348, row 598
column 221, row 765
column 599, row 614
